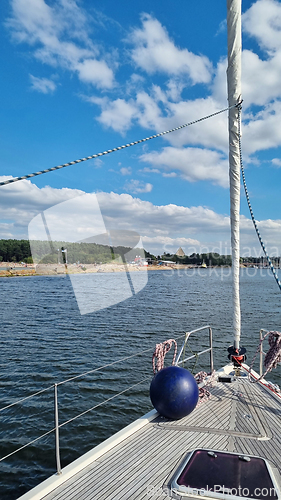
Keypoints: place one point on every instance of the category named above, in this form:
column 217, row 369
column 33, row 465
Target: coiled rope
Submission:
column 40, row 172
column 249, row 203
column 204, row 394
column 273, row 356
column 160, row 353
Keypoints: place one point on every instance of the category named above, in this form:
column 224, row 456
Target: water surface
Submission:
column 44, row 340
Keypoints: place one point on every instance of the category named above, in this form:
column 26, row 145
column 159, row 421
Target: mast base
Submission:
column 237, row 356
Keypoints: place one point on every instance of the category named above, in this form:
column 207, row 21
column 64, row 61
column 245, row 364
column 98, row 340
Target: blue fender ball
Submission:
column 174, row 392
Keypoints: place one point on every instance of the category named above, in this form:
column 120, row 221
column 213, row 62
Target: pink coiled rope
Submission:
column 273, row 356
column 160, row 353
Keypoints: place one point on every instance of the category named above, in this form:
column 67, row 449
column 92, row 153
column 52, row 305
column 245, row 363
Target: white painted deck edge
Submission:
column 56, row 480
column 50, row 484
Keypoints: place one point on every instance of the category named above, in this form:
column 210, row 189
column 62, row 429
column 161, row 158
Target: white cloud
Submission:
column 7, row 230
column 261, row 76
column 126, row 170
column 135, row 83
column 169, row 221
column 151, row 170
column 174, row 89
column 155, row 52
column 98, row 162
column 192, row 164
column 95, row 72
column 116, row 114
column 260, row 79
column 163, row 228
column 43, row 85
column 21, row 201
column 171, row 174
column 263, row 21
column 59, row 36
column 211, row 133
column 161, row 108
column 261, row 87
column 262, row 131
column 271, row 235
column 170, row 245
column 72, row 220
column 135, row 187
column 154, row 111
column 276, row 162
column 149, row 114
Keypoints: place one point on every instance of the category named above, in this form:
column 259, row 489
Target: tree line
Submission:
column 89, row 253
column 196, row 259
column 46, row 252
column 15, row 251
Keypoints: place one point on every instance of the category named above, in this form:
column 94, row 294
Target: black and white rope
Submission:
column 249, row 203
column 40, row 172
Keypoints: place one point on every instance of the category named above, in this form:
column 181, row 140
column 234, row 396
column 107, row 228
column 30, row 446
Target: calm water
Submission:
column 45, row 340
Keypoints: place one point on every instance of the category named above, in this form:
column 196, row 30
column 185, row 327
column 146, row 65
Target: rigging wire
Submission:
column 249, row 203
column 28, row 176
column 99, row 368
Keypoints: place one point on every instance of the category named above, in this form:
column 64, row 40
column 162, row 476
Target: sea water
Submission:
column 45, row 340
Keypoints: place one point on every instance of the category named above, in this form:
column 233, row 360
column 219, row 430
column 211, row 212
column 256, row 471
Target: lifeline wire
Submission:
column 81, row 375
column 15, row 179
column 249, row 203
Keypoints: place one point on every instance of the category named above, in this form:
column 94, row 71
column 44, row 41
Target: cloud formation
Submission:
column 192, row 164
column 44, row 85
column 134, row 186
column 117, row 114
column 155, row 94
column 262, row 21
column 125, row 170
column 160, row 108
column 59, row 36
column 153, row 51
column 21, row 201
column 161, row 226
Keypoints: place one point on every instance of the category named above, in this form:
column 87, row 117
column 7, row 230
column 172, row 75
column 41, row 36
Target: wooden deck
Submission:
column 239, row 417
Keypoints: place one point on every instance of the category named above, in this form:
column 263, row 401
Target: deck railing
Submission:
column 262, row 353
column 181, row 353
column 180, row 360
column 56, row 387
column 58, row 425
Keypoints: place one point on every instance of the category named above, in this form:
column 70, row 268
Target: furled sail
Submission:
column 234, row 97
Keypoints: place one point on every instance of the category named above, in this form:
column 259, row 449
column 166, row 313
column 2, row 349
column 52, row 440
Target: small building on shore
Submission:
column 180, row 252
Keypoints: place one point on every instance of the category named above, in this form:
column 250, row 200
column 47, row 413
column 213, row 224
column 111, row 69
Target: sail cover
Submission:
column 234, row 97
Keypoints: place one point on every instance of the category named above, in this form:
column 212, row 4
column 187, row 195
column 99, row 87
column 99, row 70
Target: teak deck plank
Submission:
column 237, row 418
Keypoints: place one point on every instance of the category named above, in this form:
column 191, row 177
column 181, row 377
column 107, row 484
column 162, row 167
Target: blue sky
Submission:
column 80, row 77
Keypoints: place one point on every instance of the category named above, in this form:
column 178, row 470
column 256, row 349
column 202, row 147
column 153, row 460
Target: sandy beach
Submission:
column 8, row 269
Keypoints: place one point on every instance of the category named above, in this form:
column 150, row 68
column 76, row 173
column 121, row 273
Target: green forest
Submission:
column 46, row 252
column 90, row 253
column 15, row 251
column 196, row 259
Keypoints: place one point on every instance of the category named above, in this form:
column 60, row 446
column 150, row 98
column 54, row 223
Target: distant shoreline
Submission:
column 8, row 270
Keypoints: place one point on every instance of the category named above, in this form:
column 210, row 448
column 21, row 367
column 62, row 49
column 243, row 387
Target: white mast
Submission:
column 234, row 97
